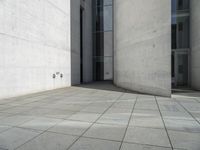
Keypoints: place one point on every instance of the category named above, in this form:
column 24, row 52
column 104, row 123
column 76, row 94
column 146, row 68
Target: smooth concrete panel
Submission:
column 34, row 45
column 195, row 43
column 142, row 45
column 75, row 41
column 108, row 55
column 108, row 40
column 87, row 42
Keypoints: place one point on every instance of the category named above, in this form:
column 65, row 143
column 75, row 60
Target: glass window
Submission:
column 99, row 46
column 99, row 19
column 180, row 5
column 104, row 18
column 107, row 18
column 180, row 32
column 103, row 2
column 180, row 24
column 180, row 42
column 103, row 48
column 107, row 2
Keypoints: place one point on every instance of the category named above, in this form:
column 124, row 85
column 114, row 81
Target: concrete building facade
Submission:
column 142, row 49
column 35, row 46
column 147, row 46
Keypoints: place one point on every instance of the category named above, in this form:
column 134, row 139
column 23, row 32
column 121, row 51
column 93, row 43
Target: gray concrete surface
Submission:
column 75, row 41
column 42, row 38
column 142, row 45
column 34, row 45
column 195, row 43
column 100, row 116
column 87, row 42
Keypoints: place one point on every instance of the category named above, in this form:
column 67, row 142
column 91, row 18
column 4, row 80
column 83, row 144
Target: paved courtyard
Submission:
column 100, row 117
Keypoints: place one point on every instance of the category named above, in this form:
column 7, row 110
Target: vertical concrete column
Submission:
column 76, row 43
column 195, row 43
column 142, row 45
column 87, row 42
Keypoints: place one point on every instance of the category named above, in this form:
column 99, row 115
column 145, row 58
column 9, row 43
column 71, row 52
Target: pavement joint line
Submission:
column 128, row 122
column 95, row 121
column 164, row 123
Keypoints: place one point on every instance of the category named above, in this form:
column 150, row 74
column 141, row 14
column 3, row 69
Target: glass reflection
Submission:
column 104, row 18
column 103, row 26
column 180, row 42
column 180, row 24
column 103, row 2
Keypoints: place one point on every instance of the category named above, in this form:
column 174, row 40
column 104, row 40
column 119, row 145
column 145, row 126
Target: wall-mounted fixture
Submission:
column 57, row 74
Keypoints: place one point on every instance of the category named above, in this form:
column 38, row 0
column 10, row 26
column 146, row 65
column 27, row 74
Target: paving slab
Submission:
column 95, row 144
column 115, row 118
column 83, row 116
column 148, row 122
column 15, row 120
column 71, row 127
column 157, row 137
column 106, row 131
column 182, row 125
column 40, row 123
column 15, row 137
column 128, row 146
column 185, row 140
column 49, row 141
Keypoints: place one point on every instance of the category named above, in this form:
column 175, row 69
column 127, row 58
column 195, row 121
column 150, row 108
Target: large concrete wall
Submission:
column 142, row 45
column 87, row 41
column 195, row 43
column 34, row 44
